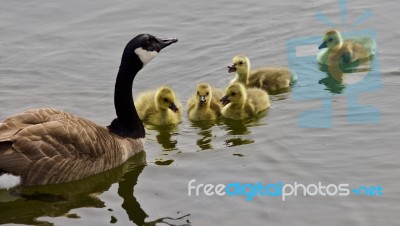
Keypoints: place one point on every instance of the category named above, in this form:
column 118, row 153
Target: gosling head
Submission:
column 144, row 48
column 240, row 64
column 204, row 93
column 331, row 39
column 235, row 94
column 165, row 98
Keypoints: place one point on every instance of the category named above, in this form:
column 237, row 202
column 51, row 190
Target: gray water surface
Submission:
column 66, row 55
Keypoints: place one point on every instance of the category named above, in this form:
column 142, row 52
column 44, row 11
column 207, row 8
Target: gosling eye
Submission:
column 241, row 62
column 165, row 100
column 330, row 40
column 233, row 94
column 207, row 93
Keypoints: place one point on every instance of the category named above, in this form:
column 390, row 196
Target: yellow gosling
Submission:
column 335, row 50
column 267, row 78
column 159, row 107
column 240, row 103
column 204, row 104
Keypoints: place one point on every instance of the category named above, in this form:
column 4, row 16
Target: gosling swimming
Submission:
column 159, row 107
column 335, row 50
column 204, row 104
column 267, row 78
column 240, row 103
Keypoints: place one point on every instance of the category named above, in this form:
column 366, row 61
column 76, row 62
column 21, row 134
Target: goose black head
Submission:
column 145, row 47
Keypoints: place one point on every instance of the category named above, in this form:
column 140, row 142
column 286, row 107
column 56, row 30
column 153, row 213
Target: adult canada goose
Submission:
column 267, row 78
column 204, row 104
column 48, row 146
column 240, row 103
column 159, row 107
column 335, row 50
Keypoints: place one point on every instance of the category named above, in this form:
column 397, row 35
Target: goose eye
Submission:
column 198, row 93
column 240, row 63
column 233, row 94
column 330, row 39
column 165, row 100
column 207, row 93
column 147, row 44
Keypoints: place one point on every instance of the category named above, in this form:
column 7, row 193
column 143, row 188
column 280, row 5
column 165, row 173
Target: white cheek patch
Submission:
column 144, row 55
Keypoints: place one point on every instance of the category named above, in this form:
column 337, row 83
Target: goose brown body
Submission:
column 47, row 146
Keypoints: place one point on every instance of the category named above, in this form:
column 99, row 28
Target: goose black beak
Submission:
column 164, row 42
column 224, row 100
column 202, row 100
column 173, row 107
column 231, row 68
column 323, row 45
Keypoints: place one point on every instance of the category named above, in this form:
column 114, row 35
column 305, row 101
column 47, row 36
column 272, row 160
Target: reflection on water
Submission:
column 332, row 85
column 162, row 162
column 164, row 136
column 337, row 75
column 236, row 129
column 58, row 200
column 204, row 142
column 20, row 205
column 205, row 134
column 126, row 190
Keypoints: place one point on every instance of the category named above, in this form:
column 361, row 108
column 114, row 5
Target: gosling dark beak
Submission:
column 202, row 100
column 323, row 45
column 173, row 107
column 231, row 68
column 224, row 100
column 164, row 42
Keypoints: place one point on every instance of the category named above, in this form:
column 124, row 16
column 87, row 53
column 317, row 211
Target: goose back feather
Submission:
column 47, row 146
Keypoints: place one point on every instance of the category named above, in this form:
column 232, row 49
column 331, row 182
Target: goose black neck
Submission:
column 127, row 122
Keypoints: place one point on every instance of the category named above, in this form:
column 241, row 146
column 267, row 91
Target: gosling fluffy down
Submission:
column 240, row 103
column 335, row 50
column 159, row 107
column 205, row 104
column 267, row 78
